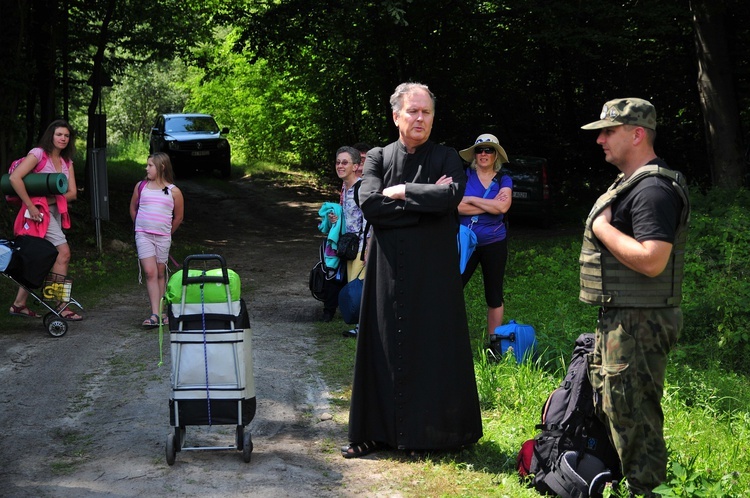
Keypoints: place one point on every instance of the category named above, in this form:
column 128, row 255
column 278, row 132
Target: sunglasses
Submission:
column 484, row 150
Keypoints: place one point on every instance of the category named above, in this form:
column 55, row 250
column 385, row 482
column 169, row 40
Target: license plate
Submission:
column 200, row 153
column 520, row 195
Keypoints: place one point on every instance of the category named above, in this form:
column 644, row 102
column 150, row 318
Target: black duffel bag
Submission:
column 32, row 260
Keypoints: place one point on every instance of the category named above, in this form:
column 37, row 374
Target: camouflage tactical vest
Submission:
column 607, row 282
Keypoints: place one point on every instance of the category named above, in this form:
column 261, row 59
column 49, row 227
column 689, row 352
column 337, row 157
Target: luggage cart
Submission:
column 27, row 259
column 211, row 352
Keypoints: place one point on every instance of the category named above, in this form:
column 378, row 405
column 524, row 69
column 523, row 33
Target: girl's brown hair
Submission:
column 163, row 166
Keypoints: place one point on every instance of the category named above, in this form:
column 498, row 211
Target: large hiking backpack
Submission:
column 572, row 457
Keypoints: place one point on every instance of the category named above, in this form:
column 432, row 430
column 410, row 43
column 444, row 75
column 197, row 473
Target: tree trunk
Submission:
column 45, row 54
column 96, row 81
column 717, row 96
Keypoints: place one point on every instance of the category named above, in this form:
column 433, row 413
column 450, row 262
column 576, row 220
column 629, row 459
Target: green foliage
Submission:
column 123, row 150
column 297, row 85
column 267, row 113
column 549, row 73
column 505, row 385
column 145, row 90
column 553, row 309
column 717, row 285
column 684, row 481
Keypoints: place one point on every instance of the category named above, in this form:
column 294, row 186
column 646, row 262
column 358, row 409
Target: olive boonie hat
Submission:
column 484, row 140
column 631, row 111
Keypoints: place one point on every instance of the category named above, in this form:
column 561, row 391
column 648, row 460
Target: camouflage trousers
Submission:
column 627, row 370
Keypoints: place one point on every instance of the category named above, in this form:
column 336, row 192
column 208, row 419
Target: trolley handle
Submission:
column 203, row 278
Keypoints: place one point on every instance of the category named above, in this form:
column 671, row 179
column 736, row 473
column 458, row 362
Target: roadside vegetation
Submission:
column 707, row 398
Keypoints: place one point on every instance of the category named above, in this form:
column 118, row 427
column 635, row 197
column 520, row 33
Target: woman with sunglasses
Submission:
column 487, row 198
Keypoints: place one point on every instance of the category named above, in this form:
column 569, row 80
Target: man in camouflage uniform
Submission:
column 631, row 266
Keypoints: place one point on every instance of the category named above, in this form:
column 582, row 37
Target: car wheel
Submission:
column 226, row 169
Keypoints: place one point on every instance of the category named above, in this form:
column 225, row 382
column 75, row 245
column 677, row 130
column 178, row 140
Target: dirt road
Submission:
column 87, row 414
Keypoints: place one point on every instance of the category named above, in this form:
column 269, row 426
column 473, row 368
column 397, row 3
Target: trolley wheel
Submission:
column 56, row 326
column 171, row 448
column 247, row 447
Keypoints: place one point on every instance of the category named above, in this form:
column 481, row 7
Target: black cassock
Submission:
column 414, row 385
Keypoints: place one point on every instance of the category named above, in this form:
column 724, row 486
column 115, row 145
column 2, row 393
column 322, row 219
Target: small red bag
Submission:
column 523, row 460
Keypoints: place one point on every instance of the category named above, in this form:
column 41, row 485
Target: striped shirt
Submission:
column 155, row 209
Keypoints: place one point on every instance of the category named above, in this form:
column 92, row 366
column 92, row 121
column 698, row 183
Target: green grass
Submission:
column 706, row 403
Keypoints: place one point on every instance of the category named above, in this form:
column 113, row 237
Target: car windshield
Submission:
column 196, row 124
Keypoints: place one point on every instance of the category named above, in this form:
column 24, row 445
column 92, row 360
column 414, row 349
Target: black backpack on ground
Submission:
column 572, row 457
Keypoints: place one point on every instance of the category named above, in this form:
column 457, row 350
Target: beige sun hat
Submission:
column 485, row 140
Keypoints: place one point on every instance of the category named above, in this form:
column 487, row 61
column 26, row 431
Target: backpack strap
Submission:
column 42, row 162
column 141, row 186
column 364, row 242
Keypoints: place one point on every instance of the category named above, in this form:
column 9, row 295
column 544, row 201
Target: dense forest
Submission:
column 295, row 79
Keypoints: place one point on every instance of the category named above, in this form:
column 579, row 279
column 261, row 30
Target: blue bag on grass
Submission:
column 519, row 338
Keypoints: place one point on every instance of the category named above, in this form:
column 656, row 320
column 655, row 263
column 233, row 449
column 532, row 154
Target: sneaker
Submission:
column 351, row 333
column 327, row 315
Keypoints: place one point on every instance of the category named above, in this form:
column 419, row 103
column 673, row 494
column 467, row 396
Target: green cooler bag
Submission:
column 213, row 292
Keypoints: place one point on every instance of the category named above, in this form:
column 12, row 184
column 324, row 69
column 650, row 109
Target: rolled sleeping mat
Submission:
column 38, row 184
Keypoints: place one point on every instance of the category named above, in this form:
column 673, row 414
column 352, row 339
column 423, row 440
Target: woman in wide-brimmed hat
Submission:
column 486, row 200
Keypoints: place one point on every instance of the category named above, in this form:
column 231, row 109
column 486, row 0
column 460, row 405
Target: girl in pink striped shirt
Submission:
column 157, row 210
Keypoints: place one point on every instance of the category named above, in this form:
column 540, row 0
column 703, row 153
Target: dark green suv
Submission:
column 193, row 142
column 531, row 189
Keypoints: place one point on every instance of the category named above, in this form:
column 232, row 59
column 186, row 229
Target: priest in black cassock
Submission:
column 414, row 387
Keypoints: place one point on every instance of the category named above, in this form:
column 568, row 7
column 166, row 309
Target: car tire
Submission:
column 226, row 169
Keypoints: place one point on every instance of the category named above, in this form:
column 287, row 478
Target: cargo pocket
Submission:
column 616, row 397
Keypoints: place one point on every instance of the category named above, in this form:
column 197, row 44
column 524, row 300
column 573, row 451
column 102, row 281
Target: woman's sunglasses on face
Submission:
column 484, row 150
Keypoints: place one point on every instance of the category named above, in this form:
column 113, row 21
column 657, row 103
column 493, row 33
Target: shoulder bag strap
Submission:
column 475, row 218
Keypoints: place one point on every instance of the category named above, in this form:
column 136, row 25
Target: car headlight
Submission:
column 173, row 145
column 223, row 144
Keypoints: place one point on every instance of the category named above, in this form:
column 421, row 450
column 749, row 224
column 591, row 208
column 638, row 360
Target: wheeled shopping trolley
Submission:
column 27, row 261
column 211, row 351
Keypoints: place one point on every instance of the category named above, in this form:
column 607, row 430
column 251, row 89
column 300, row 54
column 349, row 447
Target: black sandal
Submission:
column 357, row 450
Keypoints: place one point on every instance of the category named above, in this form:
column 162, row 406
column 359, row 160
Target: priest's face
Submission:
column 414, row 120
